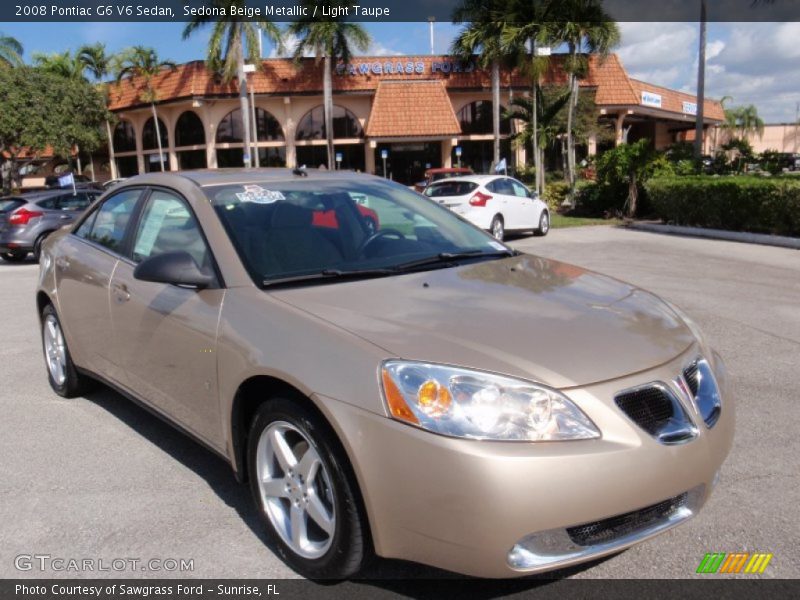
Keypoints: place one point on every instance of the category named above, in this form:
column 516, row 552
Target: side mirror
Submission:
column 177, row 268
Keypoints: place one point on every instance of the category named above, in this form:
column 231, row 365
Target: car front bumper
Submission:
column 502, row 509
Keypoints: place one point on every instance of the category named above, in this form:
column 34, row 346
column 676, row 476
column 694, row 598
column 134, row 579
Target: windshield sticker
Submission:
column 497, row 246
column 258, row 195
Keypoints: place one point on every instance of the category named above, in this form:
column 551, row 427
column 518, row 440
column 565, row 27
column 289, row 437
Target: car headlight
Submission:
column 474, row 404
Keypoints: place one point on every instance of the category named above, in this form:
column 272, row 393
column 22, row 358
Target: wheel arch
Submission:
column 42, row 300
column 250, row 395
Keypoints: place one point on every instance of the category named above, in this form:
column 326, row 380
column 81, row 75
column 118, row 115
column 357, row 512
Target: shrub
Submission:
column 555, row 193
column 768, row 205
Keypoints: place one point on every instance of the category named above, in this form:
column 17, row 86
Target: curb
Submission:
column 719, row 234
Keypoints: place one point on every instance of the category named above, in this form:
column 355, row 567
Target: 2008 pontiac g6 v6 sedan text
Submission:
column 408, row 386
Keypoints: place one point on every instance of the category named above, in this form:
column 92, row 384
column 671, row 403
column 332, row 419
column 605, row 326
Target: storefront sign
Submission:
column 651, row 99
column 401, row 67
column 690, row 108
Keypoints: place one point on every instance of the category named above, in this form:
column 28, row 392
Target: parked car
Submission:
column 81, row 182
column 423, row 391
column 438, row 174
column 496, row 203
column 26, row 220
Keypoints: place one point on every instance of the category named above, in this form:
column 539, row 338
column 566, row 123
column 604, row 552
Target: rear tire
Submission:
column 330, row 539
column 64, row 378
column 497, row 228
column 544, row 224
column 37, row 245
column 16, row 256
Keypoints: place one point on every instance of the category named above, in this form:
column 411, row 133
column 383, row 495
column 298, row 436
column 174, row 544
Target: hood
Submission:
column 523, row 316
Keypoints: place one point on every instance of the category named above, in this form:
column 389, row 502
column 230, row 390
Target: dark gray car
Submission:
column 26, row 219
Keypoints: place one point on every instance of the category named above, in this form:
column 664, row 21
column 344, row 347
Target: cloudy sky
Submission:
column 754, row 63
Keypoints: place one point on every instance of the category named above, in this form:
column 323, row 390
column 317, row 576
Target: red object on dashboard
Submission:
column 327, row 218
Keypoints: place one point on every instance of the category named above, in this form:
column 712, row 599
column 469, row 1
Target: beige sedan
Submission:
column 409, row 387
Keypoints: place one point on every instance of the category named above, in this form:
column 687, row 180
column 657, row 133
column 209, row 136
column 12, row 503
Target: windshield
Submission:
column 287, row 229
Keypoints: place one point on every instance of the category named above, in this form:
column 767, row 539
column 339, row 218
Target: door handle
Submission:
column 65, row 217
column 121, row 292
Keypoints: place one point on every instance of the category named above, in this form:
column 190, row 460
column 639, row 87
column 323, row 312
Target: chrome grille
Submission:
column 608, row 530
column 690, row 375
column 650, row 408
column 656, row 409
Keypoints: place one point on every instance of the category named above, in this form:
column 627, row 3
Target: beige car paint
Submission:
column 454, row 503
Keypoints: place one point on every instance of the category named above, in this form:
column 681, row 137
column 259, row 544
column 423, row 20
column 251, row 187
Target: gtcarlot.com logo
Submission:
column 734, row 562
column 46, row 562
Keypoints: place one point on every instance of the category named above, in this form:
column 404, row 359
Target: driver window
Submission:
column 167, row 225
column 519, row 189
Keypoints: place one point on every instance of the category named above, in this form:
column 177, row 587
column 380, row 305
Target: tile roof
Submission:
column 406, row 108
column 285, row 77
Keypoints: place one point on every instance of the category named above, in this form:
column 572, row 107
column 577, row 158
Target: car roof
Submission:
column 209, row 177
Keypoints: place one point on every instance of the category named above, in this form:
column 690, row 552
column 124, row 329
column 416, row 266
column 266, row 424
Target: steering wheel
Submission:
column 378, row 235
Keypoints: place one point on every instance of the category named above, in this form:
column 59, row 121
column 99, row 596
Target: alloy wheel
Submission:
column 55, row 350
column 295, row 489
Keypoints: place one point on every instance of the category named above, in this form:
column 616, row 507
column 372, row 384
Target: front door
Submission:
column 167, row 334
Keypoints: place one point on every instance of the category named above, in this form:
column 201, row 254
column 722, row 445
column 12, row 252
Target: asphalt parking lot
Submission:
column 98, row 477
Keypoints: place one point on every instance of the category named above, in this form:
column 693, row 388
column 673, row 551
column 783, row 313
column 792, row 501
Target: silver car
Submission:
column 27, row 219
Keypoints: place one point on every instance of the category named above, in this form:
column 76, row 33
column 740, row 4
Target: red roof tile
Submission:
column 396, row 110
column 285, row 77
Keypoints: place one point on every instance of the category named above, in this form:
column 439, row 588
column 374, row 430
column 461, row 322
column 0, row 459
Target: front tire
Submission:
column 497, row 228
column 544, row 224
column 305, row 492
column 64, row 378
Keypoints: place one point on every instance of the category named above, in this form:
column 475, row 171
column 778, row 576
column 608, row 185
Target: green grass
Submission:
column 560, row 221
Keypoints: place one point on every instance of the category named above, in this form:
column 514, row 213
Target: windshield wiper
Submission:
column 446, row 258
column 329, row 274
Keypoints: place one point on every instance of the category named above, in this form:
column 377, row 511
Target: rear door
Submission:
column 166, row 334
column 84, row 267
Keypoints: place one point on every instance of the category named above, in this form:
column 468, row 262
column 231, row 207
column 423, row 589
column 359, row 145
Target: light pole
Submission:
column 431, row 21
column 248, row 69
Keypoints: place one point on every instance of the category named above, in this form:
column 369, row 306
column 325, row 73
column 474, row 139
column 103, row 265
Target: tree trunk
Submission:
column 327, row 91
column 158, row 136
column 573, row 100
column 112, row 163
column 633, row 194
column 537, row 163
column 701, row 84
column 244, row 105
column 496, row 111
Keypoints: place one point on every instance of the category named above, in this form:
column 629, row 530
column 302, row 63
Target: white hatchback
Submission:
column 496, row 203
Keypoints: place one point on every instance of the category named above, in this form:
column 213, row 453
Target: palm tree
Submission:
column 94, row 59
column 482, row 35
column 63, row 64
column 144, row 63
column 549, row 124
column 701, row 85
column 582, row 25
column 328, row 39
column 743, row 121
column 10, row 51
column 529, row 27
column 231, row 42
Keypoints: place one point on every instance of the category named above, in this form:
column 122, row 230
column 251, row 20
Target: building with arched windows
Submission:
column 418, row 112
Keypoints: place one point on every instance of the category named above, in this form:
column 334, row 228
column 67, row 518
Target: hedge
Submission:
column 743, row 203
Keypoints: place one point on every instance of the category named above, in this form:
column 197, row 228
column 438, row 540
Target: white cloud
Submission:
column 755, row 63
column 290, row 42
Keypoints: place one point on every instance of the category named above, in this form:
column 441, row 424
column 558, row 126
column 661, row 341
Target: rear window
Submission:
column 450, row 188
column 9, row 204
